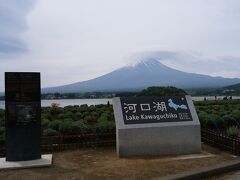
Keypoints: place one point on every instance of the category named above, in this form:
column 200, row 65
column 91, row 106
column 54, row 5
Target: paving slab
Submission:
column 193, row 156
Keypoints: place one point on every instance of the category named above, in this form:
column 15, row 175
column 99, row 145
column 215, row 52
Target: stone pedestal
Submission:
column 46, row 160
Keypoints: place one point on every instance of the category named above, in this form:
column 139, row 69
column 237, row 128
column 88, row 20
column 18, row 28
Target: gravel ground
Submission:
column 103, row 163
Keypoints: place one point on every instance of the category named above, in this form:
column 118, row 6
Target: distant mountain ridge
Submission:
column 145, row 73
column 235, row 87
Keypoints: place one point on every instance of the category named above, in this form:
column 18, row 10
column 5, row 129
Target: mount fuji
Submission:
column 145, row 73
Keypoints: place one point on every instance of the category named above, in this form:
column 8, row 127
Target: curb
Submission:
column 206, row 172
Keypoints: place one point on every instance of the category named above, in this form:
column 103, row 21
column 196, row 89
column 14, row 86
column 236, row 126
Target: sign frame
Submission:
column 165, row 138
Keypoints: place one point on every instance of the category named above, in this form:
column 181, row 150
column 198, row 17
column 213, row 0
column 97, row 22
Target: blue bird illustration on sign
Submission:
column 171, row 104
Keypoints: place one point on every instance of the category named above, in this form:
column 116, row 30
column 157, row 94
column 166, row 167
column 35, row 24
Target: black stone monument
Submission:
column 23, row 116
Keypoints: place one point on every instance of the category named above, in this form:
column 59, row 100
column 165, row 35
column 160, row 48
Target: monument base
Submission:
column 168, row 140
column 46, row 160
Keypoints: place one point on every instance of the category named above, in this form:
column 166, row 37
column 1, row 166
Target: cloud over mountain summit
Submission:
column 13, row 23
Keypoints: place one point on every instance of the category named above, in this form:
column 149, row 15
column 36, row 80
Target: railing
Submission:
column 67, row 142
column 58, row 143
column 221, row 140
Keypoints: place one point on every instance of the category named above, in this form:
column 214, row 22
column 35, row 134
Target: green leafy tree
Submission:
column 162, row 91
column 54, row 110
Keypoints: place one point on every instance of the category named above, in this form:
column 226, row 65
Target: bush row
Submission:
column 218, row 115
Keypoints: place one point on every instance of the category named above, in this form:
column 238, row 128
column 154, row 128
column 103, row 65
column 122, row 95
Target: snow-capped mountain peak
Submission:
column 143, row 73
column 145, row 62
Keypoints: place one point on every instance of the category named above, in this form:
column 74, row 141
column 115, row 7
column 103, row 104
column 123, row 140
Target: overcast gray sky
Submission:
column 75, row 40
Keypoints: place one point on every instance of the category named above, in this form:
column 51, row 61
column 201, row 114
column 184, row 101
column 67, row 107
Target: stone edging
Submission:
column 206, row 172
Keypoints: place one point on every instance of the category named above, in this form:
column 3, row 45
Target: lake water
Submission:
column 201, row 98
column 67, row 102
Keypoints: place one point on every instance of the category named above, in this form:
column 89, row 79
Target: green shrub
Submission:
column 103, row 126
column 80, row 127
column 68, row 114
column 232, row 131
column 45, row 122
column 2, row 130
column 94, row 113
column 91, row 108
column 78, row 115
column 50, row 132
column 2, row 137
column 46, row 115
column 214, row 121
column 203, row 116
column 236, row 114
column 91, row 120
column 72, row 109
column 83, row 108
column 67, row 119
column 55, row 125
column 107, row 115
column 66, row 127
column 229, row 121
column 103, row 117
column 2, row 121
column 61, row 116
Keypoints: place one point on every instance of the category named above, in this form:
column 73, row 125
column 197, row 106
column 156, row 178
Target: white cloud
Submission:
column 12, row 22
column 76, row 40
